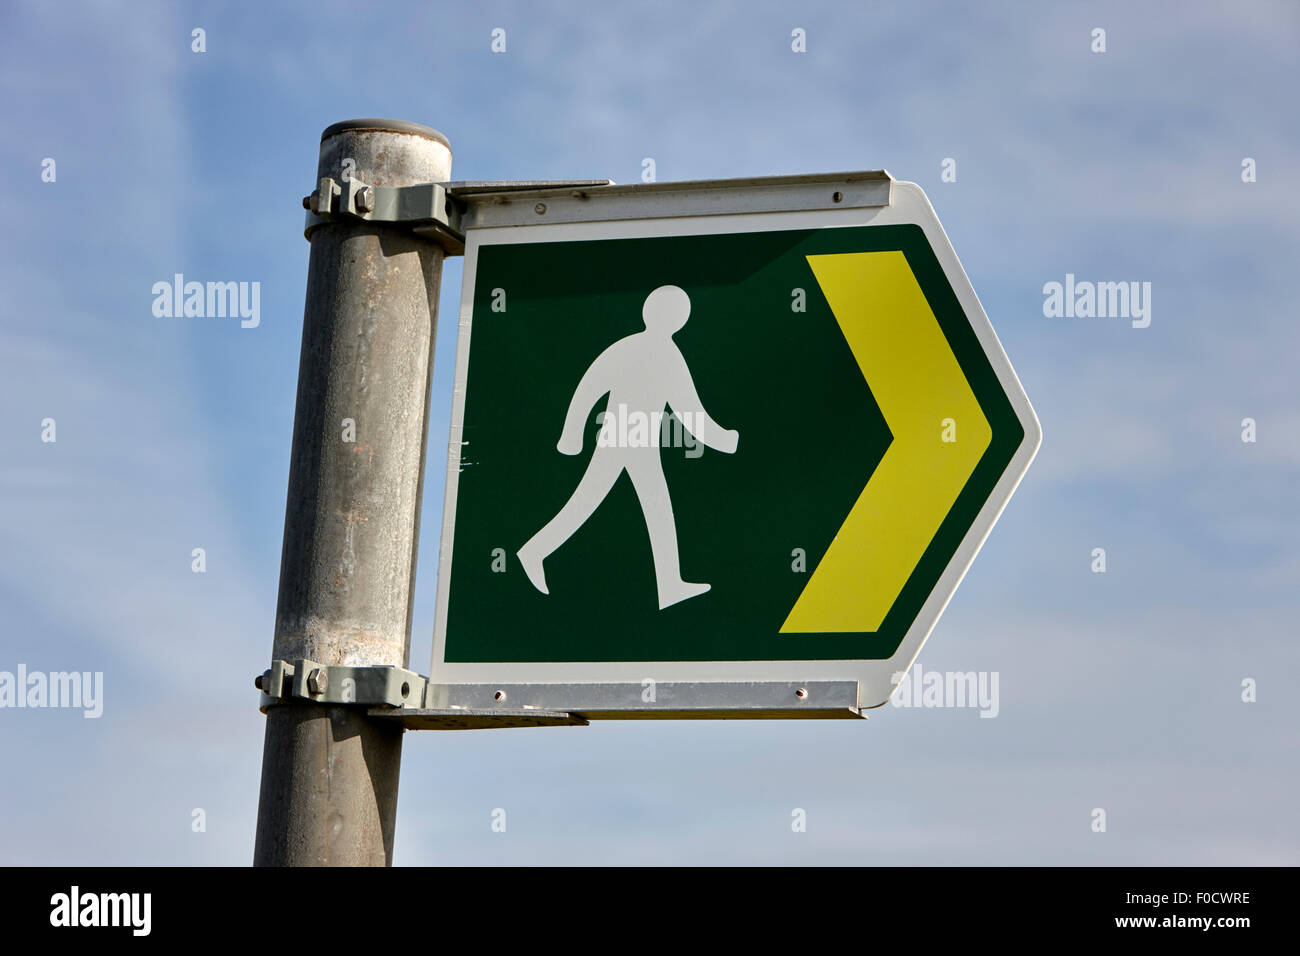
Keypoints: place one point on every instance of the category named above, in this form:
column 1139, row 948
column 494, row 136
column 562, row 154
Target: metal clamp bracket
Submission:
column 391, row 692
column 339, row 684
column 423, row 209
column 432, row 210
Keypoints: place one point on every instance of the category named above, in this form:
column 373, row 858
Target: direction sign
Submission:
column 737, row 431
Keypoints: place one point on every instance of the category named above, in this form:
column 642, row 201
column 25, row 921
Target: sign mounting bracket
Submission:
column 418, row 703
column 523, row 205
column 444, row 211
column 432, row 210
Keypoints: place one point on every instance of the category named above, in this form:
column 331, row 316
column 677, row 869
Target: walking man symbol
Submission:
column 641, row 373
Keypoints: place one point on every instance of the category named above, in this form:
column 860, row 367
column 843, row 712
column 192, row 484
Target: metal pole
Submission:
column 329, row 773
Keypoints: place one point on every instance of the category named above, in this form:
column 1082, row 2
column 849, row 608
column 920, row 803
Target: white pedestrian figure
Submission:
column 642, row 373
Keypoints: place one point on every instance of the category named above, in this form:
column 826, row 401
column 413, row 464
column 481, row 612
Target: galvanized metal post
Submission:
column 329, row 774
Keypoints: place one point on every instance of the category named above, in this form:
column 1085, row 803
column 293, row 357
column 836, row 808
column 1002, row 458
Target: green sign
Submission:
column 681, row 446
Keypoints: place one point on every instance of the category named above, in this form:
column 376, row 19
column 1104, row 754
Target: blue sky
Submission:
column 1119, row 690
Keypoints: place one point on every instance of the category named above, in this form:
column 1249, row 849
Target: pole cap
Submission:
column 384, row 126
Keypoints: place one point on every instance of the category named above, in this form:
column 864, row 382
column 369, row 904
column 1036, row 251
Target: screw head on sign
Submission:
column 540, row 209
column 318, row 680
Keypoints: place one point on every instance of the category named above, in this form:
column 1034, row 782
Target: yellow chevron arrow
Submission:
column 918, row 384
